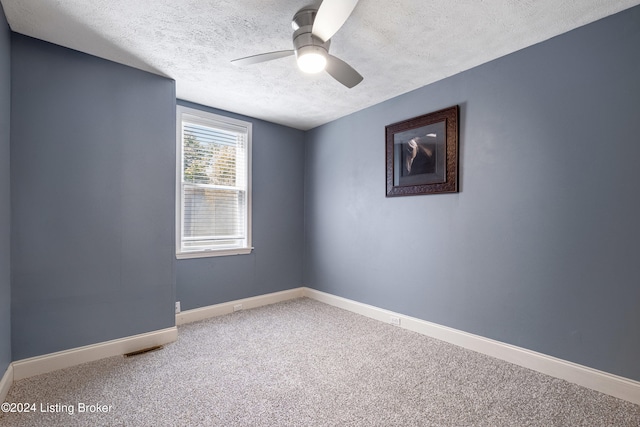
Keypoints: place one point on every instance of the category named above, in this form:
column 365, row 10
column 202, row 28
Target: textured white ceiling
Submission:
column 397, row 45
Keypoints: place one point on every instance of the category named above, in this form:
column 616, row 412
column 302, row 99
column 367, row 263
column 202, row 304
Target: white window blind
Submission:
column 214, row 185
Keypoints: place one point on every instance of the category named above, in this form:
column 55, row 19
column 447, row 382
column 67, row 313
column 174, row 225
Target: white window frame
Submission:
column 214, row 120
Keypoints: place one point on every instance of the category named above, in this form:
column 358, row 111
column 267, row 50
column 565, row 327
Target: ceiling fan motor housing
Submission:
column 303, row 40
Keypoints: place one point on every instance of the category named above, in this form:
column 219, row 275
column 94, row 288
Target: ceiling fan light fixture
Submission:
column 311, row 59
column 313, row 26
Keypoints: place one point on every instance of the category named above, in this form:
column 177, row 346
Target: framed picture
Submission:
column 422, row 154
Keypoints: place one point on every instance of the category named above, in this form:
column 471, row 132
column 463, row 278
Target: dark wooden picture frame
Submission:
column 422, row 154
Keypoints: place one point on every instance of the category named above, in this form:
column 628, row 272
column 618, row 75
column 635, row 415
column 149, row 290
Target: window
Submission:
column 213, row 209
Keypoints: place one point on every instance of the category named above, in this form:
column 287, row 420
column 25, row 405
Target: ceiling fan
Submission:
column 313, row 28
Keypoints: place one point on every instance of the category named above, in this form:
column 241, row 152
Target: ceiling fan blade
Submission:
column 330, row 17
column 342, row 72
column 263, row 57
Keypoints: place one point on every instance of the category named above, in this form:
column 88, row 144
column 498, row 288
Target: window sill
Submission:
column 213, row 253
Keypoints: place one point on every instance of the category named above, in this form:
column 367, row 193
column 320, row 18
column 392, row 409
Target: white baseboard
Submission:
column 613, row 385
column 5, row 383
column 202, row 313
column 622, row 388
column 63, row 359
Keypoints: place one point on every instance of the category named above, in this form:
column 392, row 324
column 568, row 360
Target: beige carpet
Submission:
column 304, row 363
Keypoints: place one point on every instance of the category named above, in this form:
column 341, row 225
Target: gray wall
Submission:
column 276, row 263
column 92, row 199
column 5, row 212
column 540, row 247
